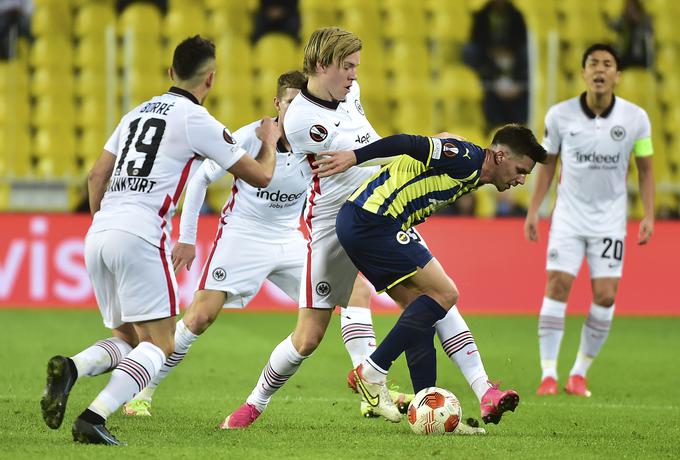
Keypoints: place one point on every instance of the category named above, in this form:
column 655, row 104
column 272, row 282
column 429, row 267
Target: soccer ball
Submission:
column 434, row 411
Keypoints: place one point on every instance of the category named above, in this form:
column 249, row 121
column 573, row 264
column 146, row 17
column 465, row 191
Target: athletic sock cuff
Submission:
column 552, row 307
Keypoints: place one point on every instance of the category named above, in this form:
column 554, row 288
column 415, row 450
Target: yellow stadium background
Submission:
column 64, row 93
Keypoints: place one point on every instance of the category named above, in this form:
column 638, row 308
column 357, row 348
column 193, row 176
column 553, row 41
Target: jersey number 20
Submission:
column 149, row 150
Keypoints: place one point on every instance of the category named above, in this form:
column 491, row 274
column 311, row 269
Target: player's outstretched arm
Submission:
column 98, row 178
column 646, row 183
column 332, row 163
column 259, row 171
column 544, row 177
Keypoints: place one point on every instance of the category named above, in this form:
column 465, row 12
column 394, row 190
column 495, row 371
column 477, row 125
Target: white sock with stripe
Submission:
column 593, row 335
column 459, row 345
column 129, row 378
column 356, row 327
column 550, row 332
column 283, row 363
column 183, row 340
column 101, row 357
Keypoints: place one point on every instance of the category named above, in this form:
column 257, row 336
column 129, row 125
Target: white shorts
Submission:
column 329, row 274
column 605, row 255
column 132, row 279
column 238, row 266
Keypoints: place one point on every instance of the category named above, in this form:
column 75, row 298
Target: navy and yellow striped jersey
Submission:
column 410, row 190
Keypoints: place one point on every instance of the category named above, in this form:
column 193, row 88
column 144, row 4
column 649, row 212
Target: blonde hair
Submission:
column 327, row 46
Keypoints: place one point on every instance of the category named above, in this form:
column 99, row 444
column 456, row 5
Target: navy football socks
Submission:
column 413, row 331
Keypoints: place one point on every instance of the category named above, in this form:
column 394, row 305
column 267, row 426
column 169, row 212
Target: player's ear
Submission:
column 171, row 73
column 320, row 68
column 498, row 156
column 277, row 103
column 210, row 79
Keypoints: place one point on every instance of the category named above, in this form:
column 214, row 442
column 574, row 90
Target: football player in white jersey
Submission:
column 328, row 115
column 134, row 187
column 240, row 259
column 594, row 136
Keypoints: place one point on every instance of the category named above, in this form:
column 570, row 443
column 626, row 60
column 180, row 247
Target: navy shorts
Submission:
column 379, row 248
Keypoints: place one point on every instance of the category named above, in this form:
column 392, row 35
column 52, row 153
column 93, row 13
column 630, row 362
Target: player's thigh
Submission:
column 565, row 252
column 103, row 280
column 238, row 266
column 328, row 275
column 384, row 253
column 430, row 280
column 605, row 256
column 146, row 284
column 290, row 261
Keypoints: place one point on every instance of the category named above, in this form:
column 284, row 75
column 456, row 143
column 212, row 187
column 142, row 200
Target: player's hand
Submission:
column 531, row 227
column 446, row 135
column 183, row 254
column 329, row 163
column 645, row 231
column 268, row 131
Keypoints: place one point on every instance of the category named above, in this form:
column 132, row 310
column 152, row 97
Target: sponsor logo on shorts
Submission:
column 618, row 132
column 357, row 104
column 403, row 238
column 449, row 150
column 318, row 133
column 323, row 288
column 227, row 137
column 552, row 254
column 219, row 274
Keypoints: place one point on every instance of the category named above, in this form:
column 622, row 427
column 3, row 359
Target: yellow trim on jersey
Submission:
column 391, row 285
column 643, row 147
column 409, row 191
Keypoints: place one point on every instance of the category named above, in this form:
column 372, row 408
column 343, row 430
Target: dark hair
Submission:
column 600, row 47
column 293, row 79
column 521, row 141
column 190, row 55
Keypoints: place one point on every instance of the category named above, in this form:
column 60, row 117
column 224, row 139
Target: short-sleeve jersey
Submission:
column 595, row 153
column 410, row 190
column 312, row 126
column 155, row 146
column 275, row 210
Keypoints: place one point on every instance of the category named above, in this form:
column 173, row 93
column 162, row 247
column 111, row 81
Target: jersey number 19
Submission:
column 149, row 150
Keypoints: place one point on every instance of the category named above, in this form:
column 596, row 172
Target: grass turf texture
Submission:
column 633, row 412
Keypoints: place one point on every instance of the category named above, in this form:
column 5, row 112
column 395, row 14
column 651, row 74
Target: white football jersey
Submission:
column 595, row 153
column 156, row 145
column 271, row 213
column 312, row 126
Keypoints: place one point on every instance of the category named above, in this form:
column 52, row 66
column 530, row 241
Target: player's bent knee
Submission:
column 446, row 297
column 604, row 300
column 558, row 287
column 200, row 320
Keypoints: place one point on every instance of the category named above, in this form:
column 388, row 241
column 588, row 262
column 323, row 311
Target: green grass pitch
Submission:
column 634, row 411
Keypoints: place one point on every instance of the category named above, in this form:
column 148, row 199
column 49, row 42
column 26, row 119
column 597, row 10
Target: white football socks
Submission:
column 356, row 327
column 593, row 335
column 101, row 357
column 283, row 363
column 183, row 340
column 128, row 378
column 550, row 332
column 459, row 345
